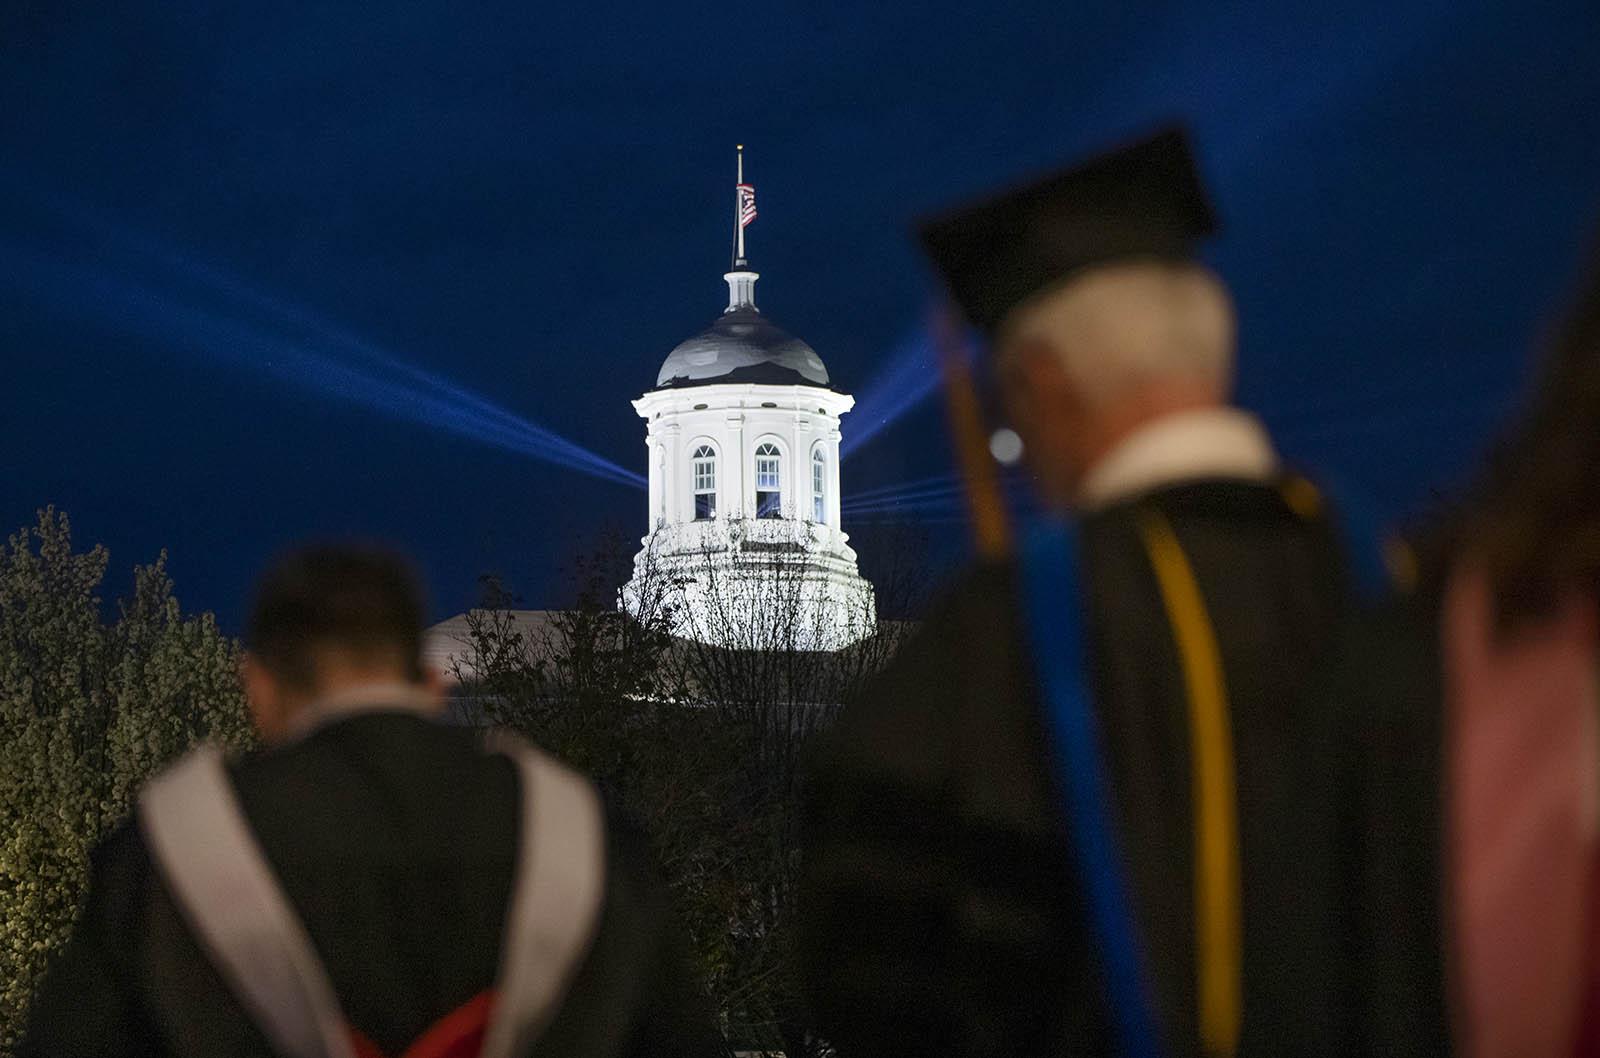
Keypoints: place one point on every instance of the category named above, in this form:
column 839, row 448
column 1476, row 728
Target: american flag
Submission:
column 747, row 205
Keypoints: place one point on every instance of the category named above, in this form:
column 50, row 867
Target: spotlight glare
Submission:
column 1006, row 446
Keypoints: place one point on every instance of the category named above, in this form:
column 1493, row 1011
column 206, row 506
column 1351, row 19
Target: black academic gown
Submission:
column 941, row 913
column 395, row 840
column 1392, row 819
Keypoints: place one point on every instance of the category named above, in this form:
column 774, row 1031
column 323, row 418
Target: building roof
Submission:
column 447, row 646
column 742, row 345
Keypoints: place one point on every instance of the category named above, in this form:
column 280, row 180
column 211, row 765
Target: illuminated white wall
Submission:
column 735, row 553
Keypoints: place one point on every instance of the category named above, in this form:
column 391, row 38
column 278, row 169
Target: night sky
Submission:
column 237, row 241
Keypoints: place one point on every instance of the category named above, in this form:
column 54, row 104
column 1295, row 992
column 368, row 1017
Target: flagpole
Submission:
column 738, row 219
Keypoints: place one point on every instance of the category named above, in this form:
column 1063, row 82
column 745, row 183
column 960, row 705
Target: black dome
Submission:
column 742, row 345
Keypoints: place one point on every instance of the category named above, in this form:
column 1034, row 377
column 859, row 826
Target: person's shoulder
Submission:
column 431, row 752
column 1286, row 524
column 1289, row 500
column 119, row 873
column 279, row 780
column 379, row 789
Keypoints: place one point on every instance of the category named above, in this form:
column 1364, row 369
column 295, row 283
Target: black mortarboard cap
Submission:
column 1141, row 200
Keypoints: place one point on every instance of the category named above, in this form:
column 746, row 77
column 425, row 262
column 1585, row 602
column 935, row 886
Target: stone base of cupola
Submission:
column 753, row 584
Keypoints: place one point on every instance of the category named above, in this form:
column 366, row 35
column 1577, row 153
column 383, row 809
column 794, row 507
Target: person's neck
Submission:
column 1139, row 410
column 1213, row 442
column 341, row 691
column 1092, row 438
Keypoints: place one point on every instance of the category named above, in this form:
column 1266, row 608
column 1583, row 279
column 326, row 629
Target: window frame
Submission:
column 769, row 501
column 819, row 485
column 704, row 455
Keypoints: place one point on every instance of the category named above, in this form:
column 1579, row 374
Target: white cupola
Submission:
column 742, row 431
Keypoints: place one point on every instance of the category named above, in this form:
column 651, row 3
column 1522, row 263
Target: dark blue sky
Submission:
column 533, row 203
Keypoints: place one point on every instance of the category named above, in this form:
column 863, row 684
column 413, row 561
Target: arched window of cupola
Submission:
column 769, row 479
column 704, row 468
column 819, row 486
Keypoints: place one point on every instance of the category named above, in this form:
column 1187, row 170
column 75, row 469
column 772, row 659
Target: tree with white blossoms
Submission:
column 89, row 708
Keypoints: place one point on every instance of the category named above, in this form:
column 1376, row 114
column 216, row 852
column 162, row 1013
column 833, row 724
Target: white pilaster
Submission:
column 733, row 490
column 658, row 474
column 672, row 467
column 833, row 478
column 800, row 473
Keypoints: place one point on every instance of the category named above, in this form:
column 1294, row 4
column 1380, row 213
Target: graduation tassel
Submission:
column 991, row 528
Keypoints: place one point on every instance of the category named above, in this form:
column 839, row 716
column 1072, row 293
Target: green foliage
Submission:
column 88, row 709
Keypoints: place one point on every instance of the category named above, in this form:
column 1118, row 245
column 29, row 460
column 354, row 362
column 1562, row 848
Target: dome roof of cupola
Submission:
column 742, row 345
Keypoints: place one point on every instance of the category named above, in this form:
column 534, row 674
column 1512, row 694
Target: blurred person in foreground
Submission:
column 375, row 882
column 946, row 905
column 1481, row 821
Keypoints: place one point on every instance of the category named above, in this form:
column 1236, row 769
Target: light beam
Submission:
column 255, row 330
column 929, row 499
column 908, row 375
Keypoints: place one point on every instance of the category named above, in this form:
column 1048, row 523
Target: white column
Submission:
column 733, row 458
column 833, row 478
column 672, row 470
column 658, row 471
column 799, row 470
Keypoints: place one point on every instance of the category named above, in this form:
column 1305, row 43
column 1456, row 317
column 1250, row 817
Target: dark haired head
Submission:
column 1534, row 518
column 362, row 603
